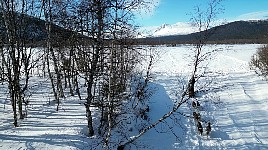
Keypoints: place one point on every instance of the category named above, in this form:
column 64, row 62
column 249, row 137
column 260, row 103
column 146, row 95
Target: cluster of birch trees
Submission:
column 97, row 49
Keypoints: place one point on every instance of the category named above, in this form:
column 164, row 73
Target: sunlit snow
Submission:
column 233, row 98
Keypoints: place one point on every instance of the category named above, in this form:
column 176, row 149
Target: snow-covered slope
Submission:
column 233, row 98
column 180, row 28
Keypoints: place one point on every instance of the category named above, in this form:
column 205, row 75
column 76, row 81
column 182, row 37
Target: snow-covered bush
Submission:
column 259, row 61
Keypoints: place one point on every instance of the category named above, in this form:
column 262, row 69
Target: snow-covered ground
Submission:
column 233, row 98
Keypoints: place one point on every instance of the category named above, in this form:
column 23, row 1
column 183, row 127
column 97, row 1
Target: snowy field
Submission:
column 233, row 98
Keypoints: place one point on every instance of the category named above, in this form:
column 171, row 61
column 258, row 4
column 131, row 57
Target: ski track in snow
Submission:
column 241, row 122
column 249, row 111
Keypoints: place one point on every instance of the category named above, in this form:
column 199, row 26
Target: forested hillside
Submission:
column 234, row 32
column 33, row 30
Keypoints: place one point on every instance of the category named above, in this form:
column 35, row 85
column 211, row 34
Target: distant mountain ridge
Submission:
column 180, row 28
column 34, row 31
column 182, row 33
column 234, row 32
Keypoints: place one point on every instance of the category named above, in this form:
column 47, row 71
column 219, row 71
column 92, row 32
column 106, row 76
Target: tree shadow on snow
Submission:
column 47, row 141
column 171, row 132
column 218, row 134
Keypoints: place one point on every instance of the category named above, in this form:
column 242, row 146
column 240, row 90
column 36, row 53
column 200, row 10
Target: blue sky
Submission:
column 173, row 11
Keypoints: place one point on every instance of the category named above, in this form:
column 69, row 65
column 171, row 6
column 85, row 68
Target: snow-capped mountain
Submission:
column 180, row 28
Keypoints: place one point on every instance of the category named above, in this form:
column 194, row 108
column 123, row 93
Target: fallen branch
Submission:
column 167, row 115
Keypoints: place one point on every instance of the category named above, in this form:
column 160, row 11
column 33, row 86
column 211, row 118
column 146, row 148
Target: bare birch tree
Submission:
column 16, row 57
column 203, row 20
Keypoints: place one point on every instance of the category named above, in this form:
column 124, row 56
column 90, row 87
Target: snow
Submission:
column 44, row 128
column 232, row 97
column 179, row 28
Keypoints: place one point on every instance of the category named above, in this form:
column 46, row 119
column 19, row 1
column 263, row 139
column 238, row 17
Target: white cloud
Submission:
column 253, row 16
